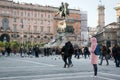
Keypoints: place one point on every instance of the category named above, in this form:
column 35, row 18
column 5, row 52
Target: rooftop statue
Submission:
column 63, row 10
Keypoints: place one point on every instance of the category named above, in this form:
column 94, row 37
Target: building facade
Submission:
column 109, row 34
column 117, row 8
column 35, row 23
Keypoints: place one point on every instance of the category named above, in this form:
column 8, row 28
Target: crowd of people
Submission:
column 68, row 50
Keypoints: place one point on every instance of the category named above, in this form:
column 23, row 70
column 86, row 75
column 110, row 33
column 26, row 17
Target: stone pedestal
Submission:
column 61, row 35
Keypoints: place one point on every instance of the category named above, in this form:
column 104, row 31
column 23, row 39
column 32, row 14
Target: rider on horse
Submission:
column 63, row 10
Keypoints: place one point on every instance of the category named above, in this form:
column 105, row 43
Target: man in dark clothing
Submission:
column 21, row 51
column 8, row 50
column 104, row 55
column 36, row 49
column 86, row 52
column 70, row 52
column 67, row 51
column 64, row 53
column 116, row 54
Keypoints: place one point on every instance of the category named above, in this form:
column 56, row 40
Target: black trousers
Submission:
column 117, row 61
column 95, row 69
column 65, row 59
column 105, row 59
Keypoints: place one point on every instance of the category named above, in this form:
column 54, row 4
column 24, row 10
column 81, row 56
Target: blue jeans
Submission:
column 69, row 60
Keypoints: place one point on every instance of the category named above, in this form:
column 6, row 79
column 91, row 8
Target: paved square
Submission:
column 51, row 68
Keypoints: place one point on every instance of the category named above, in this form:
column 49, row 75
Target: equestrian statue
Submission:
column 63, row 10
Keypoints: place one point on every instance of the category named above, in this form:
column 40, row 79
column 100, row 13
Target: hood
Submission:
column 93, row 40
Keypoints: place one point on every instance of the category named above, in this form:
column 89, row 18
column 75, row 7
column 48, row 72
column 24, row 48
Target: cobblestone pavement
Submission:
column 51, row 68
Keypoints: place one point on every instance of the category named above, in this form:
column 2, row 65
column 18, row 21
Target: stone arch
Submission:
column 5, row 38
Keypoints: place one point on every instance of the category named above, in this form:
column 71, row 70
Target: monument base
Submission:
column 62, row 36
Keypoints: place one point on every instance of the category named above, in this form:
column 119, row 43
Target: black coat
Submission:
column 68, row 49
column 114, row 51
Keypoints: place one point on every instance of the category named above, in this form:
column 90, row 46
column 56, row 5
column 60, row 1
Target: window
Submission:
column 41, row 21
column 48, row 28
column 15, row 20
column 29, row 28
column 22, row 25
column 35, row 21
column 35, row 29
column 42, row 15
column 5, row 24
column 15, row 28
column 21, row 20
column 21, row 13
column 41, row 28
column 28, row 20
column 48, row 16
column 15, row 13
column 48, row 22
column 35, row 15
column 28, row 14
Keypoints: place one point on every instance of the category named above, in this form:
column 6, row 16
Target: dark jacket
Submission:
column 8, row 49
column 118, row 51
column 114, row 51
column 104, row 51
column 67, row 49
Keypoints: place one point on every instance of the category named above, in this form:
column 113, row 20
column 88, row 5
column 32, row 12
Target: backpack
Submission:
column 97, row 50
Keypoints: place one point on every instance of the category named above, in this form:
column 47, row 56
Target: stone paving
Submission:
column 51, row 68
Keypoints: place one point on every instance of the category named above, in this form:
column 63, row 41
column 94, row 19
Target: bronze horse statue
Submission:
column 63, row 10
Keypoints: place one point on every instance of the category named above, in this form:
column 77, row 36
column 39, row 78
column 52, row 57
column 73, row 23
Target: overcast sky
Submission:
column 90, row 6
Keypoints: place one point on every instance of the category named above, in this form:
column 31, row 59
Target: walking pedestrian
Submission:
column 64, row 54
column 36, row 49
column 116, row 54
column 21, row 51
column 86, row 52
column 94, row 58
column 77, row 53
column 104, row 54
column 67, row 51
column 71, row 51
column 8, row 50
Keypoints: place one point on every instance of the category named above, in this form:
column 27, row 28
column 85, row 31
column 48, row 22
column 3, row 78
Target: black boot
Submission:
column 65, row 65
